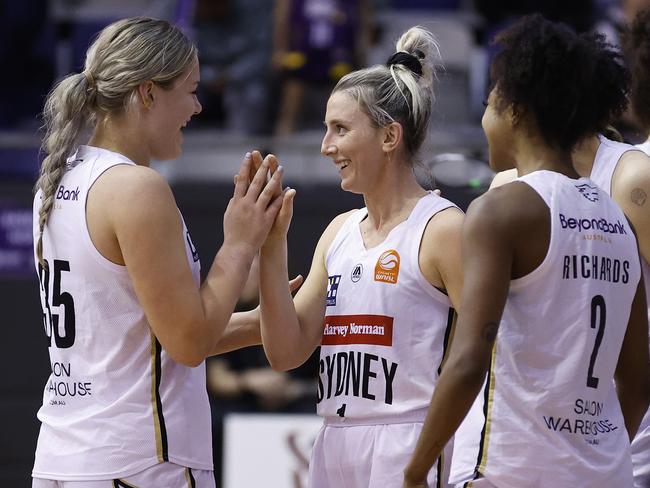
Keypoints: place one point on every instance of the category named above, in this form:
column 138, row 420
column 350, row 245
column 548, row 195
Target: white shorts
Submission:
column 641, row 454
column 168, row 475
column 365, row 456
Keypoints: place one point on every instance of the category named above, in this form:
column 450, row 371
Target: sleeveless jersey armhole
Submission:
column 90, row 245
column 549, row 198
column 420, row 224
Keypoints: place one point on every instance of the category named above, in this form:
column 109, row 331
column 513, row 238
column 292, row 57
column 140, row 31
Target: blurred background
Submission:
column 266, row 71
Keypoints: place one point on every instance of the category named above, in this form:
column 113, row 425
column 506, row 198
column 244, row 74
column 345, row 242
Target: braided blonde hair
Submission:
column 124, row 55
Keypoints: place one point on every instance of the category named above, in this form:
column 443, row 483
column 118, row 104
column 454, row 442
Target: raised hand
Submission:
column 254, row 206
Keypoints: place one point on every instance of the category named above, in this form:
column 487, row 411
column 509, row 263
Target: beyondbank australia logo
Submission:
column 387, row 267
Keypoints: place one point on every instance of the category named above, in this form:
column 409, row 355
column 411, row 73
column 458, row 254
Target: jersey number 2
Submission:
column 58, row 299
column 598, row 310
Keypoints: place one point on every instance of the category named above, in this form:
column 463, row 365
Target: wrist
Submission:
column 414, row 476
column 238, row 253
column 274, row 244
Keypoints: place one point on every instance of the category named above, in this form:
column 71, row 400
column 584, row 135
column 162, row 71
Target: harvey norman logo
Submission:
column 588, row 225
column 358, row 329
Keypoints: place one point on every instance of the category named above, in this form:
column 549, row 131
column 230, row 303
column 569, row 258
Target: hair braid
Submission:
column 65, row 115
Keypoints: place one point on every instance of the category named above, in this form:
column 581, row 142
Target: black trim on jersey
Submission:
column 192, row 480
column 439, row 472
column 161, row 417
column 122, row 484
column 445, row 343
column 486, row 398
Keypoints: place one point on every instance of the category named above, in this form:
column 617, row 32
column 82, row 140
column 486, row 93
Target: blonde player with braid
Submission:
column 383, row 281
column 127, row 322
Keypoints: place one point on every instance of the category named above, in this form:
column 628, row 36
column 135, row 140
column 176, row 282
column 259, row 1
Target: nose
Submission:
column 327, row 148
column 198, row 108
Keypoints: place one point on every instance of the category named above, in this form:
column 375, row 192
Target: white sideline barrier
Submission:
column 269, row 450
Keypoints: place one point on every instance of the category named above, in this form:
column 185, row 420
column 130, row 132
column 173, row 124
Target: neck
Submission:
column 584, row 155
column 534, row 154
column 120, row 135
column 393, row 197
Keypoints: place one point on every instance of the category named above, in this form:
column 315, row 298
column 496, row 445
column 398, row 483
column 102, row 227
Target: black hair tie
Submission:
column 406, row 59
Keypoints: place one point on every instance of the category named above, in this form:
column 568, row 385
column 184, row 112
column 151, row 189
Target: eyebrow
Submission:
column 335, row 122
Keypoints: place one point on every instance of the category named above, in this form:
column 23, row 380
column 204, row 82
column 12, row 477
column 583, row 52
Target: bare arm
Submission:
column 187, row 320
column 633, row 368
column 292, row 329
column 488, row 252
column 631, row 190
column 243, row 329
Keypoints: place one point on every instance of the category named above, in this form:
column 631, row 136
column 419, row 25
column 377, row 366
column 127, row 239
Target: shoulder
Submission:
column 135, row 181
column 633, row 170
column 503, row 177
column 135, row 194
column 630, row 190
column 330, row 232
column 443, row 225
column 508, row 210
column 334, row 226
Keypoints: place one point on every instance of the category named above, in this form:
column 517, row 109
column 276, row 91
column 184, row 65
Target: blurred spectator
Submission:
column 315, row 43
column 25, row 52
column 497, row 14
column 615, row 16
column 234, row 38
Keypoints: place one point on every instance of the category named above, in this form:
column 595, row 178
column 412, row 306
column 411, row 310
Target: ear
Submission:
column 145, row 93
column 514, row 115
column 392, row 136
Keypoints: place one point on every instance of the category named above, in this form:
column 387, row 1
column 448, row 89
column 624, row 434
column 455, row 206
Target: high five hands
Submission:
column 283, row 220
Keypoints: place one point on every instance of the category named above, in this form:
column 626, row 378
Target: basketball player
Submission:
column 127, row 323
column 553, row 305
column 637, row 177
column 384, row 278
column 623, row 171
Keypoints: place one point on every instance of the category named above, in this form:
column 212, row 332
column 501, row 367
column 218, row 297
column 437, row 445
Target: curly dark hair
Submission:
column 570, row 85
column 636, row 44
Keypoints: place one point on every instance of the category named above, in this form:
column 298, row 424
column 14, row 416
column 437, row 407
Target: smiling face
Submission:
column 354, row 145
column 171, row 110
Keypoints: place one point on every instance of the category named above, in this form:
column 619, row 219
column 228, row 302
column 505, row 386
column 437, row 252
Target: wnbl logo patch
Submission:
column 332, row 289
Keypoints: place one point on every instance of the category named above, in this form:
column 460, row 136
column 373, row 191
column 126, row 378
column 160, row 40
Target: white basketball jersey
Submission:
column 386, row 326
column 115, row 402
column 540, row 420
column 607, row 157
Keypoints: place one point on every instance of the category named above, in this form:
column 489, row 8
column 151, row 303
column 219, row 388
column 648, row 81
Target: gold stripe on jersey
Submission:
column 191, row 482
column 154, row 399
column 122, row 484
column 488, row 415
